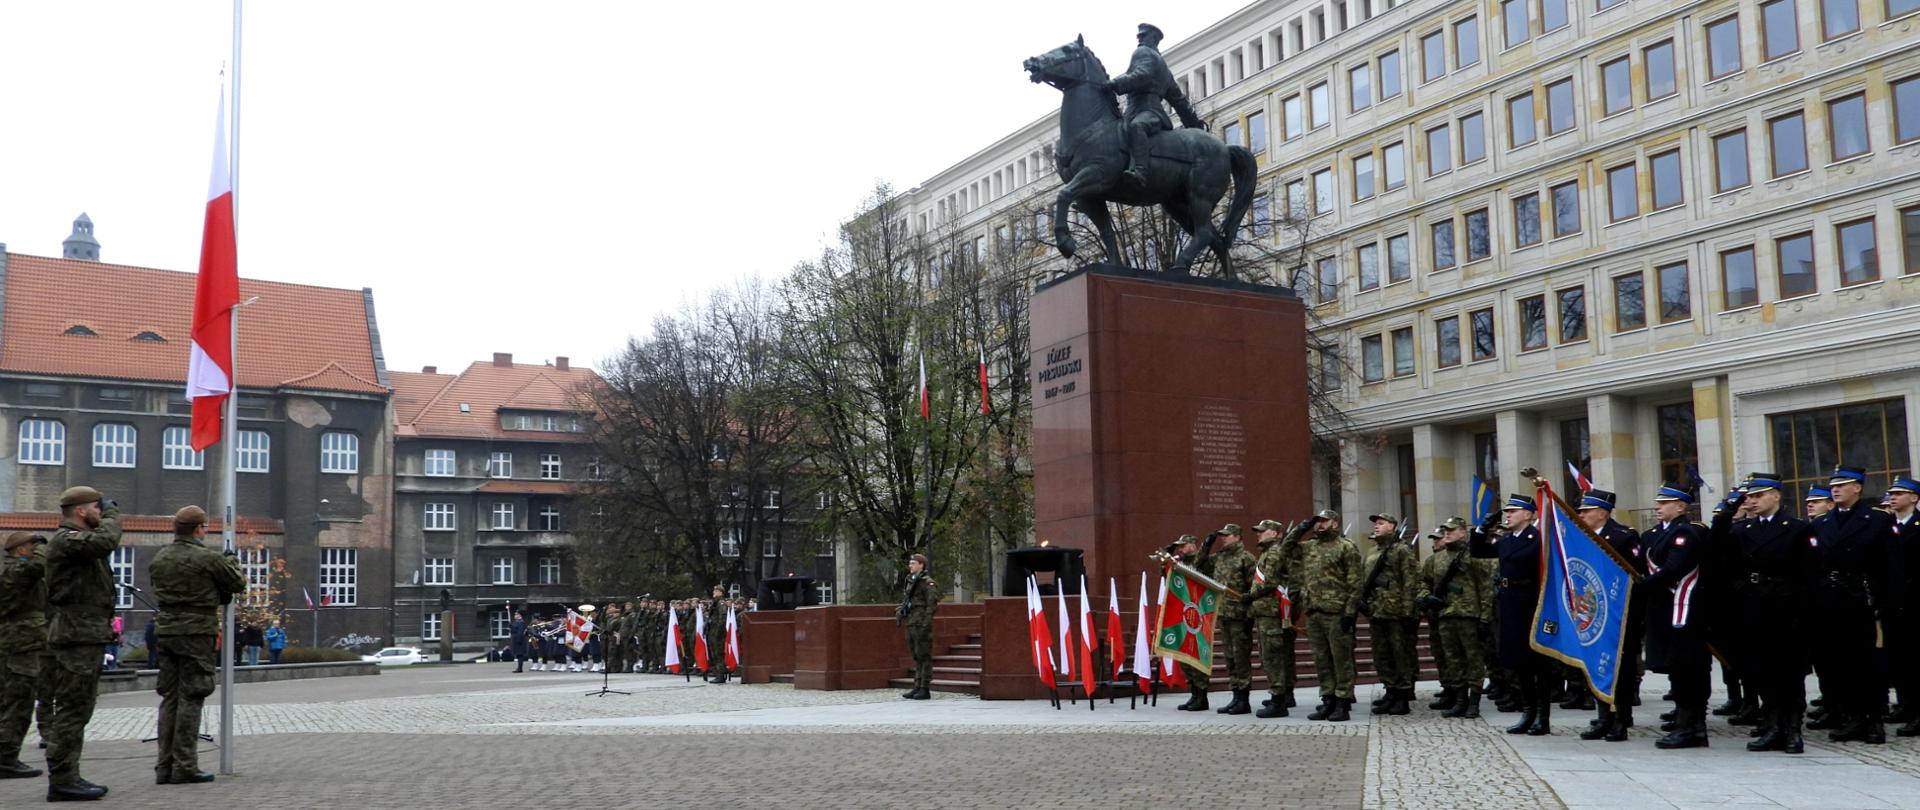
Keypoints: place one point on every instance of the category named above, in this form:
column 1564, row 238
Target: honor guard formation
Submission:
column 631, row 637
column 1771, row 595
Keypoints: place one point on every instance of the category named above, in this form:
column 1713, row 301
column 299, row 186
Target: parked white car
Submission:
column 396, row 656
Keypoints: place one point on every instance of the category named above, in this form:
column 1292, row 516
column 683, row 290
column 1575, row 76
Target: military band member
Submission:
column 1854, row 556
column 1386, row 596
column 1232, row 565
column 23, row 639
column 1596, row 513
column 916, row 613
column 1330, row 593
column 1457, row 590
column 1676, row 632
column 1272, row 622
column 1517, row 550
column 1903, row 639
column 1769, row 558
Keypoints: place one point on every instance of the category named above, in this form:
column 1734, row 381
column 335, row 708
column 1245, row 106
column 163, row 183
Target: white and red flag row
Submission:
column 1050, row 668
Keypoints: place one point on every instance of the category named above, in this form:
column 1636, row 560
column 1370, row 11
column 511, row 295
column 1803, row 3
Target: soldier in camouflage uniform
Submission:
column 80, row 595
column 716, row 609
column 1186, row 549
column 916, row 613
column 1457, row 590
column 190, row 582
column 1331, row 576
column 23, row 635
column 1387, row 598
column 1232, row 565
column 1273, row 624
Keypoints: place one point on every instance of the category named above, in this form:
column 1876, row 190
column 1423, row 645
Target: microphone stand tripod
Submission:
column 153, row 656
column 606, row 672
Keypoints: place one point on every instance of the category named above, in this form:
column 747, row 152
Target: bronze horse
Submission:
column 1187, row 174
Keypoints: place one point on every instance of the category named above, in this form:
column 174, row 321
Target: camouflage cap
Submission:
column 1393, row 519
column 18, row 539
column 1327, row 514
column 75, row 496
column 1186, row 540
column 190, row 516
column 1231, row 530
column 1455, row 522
column 1268, row 525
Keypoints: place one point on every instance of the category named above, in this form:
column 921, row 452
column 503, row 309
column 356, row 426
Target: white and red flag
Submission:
column 1169, row 671
column 579, row 628
column 1039, row 636
column 673, row 643
column 216, row 292
column 926, row 400
column 1066, row 627
column 1087, row 677
column 1579, row 478
column 1142, row 656
column 308, row 595
column 986, row 402
column 1285, row 598
column 1116, row 641
column 733, row 640
column 700, row 636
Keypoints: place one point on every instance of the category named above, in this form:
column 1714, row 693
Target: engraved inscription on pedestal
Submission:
column 1219, row 460
column 1060, row 372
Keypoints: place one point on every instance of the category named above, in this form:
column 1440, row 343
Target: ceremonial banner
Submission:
column 672, row 656
column 1581, row 618
column 1039, row 636
column 1185, row 628
column 1484, row 501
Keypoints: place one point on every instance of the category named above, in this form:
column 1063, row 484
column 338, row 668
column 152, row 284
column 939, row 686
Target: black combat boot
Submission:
column 1789, row 723
column 1750, row 714
column 1734, row 704
column 1827, row 719
column 1449, row 698
column 1911, row 729
column 1472, row 702
column 195, row 778
column 17, row 770
column 1399, row 706
column 1288, row 698
column 1600, row 726
column 1387, row 695
column 1529, row 708
column 1274, row 708
column 1196, row 700
column 1341, row 710
column 1775, row 738
column 1689, row 731
column 1240, row 704
column 1622, row 721
column 1542, row 722
column 921, row 694
column 1458, row 708
column 78, row 790
column 1324, row 709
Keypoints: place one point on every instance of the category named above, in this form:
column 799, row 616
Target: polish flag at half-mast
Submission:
column 215, row 293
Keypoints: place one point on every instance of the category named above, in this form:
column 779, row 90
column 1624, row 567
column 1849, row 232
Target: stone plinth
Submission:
column 1164, row 406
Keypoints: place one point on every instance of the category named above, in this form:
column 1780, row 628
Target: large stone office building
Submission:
column 1655, row 238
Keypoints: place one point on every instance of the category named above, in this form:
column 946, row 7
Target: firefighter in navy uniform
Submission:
column 1854, row 557
column 1596, row 513
column 1769, row 558
column 1676, row 628
column 1903, row 639
column 1517, row 593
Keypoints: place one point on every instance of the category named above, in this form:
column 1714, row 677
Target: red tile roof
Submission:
column 429, row 405
column 48, row 521
column 295, row 336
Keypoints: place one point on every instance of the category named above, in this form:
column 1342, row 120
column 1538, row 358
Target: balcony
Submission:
column 517, row 538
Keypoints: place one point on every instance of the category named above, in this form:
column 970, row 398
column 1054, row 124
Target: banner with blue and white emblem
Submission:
column 1582, row 616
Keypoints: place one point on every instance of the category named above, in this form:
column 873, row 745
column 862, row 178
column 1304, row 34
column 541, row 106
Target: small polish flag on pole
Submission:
column 986, row 401
column 1116, row 642
column 1578, row 478
column 308, row 595
column 733, row 641
column 1038, row 636
column 1087, row 678
column 1066, row 627
column 1142, row 660
column 700, row 636
column 926, row 402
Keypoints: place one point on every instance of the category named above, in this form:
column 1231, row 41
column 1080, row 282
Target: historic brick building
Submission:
column 92, row 362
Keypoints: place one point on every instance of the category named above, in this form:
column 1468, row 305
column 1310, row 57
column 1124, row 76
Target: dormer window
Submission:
column 150, row 336
column 81, row 330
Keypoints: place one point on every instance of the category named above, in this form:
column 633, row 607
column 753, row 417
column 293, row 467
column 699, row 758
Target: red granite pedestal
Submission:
column 1163, row 406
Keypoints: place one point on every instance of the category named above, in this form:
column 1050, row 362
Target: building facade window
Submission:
column 1257, row 132
column 1484, row 346
column 1572, row 305
column 1373, row 361
column 1787, row 136
column 1629, row 302
column 1657, row 61
column 1906, row 108
column 114, row 444
column 340, row 576
column 42, row 441
column 1779, row 29
column 1466, row 42
column 1292, row 123
column 429, row 626
column 1328, row 270
column 549, row 570
column 1513, row 16
column 339, row 452
column 1679, row 453
column 1520, row 121
column 438, row 463
column 1793, row 258
column 1730, row 160
column 499, row 623
column 730, row 541
column 1859, row 258
column 550, row 466
column 176, row 450
column 1393, row 165
column 1566, row 209
column 1319, row 105
column 1623, row 192
column 500, row 465
column 1738, row 279
column 1403, row 359
column 252, row 451
column 1723, row 47
column 1533, row 322
column 1676, row 293
column 1553, row 15
column 1560, row 106
column 1446, row 341
column 1668, row 185
column 121, row 563
column 1839, row 18
column 1616, row 85
column 1807, row 445
column 1526, row 220
column 502, row 570
column 1910, row 238
column 1389, row 75
column 550, row 518
column 502, row 516
column 1360, row 87
column 1847, row 126
column 1473, row 139
column 1901, row 8
column 1363, row 176
column 1367, row 257
column 255, row 565
column 1433, row 56
column 1323, row 192
column 1399, row 263
column 1479, row 235
column 439, row 571
column 1439, row 151
column 1442, row 239
column 439, row 517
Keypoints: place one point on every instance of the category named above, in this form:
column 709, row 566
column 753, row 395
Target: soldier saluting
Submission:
column 191, row 582
column 1147, row 82
column 23, row 633
column 80, row 590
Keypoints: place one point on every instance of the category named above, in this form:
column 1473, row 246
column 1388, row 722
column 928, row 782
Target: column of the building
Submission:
column 1616, row 462
column 1519, row 443
column 1713, row 435
column 1437, row 482
column 1362, row 484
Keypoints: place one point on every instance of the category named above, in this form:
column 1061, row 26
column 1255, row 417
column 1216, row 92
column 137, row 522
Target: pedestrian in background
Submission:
column 276, row 641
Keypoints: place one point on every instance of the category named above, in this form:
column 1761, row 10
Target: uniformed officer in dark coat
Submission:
column 23, row 638
column 1676, row 626
column 1516, row 546
column 190, row 582
column 517, row 641
column 1146, row 84
column 1904, row 640
column 1855, row 557
column 80, row 596
column 916, row 612
column 1769, row 557
column 1596, row 513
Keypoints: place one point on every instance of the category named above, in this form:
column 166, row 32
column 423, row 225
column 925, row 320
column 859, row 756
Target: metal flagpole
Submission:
column 230, row 480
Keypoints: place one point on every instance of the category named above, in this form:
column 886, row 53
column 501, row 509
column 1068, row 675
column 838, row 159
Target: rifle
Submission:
column 1373, row 579
column 1446, row 580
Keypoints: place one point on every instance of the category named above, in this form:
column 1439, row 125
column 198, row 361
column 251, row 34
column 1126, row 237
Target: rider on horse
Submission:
column 1146, row 84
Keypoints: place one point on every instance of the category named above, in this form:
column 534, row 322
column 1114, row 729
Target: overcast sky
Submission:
column 534, row 178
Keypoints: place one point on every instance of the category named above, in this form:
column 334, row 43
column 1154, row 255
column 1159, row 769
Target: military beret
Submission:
column 18, row 539
column 75, row 496
column 193, row 515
